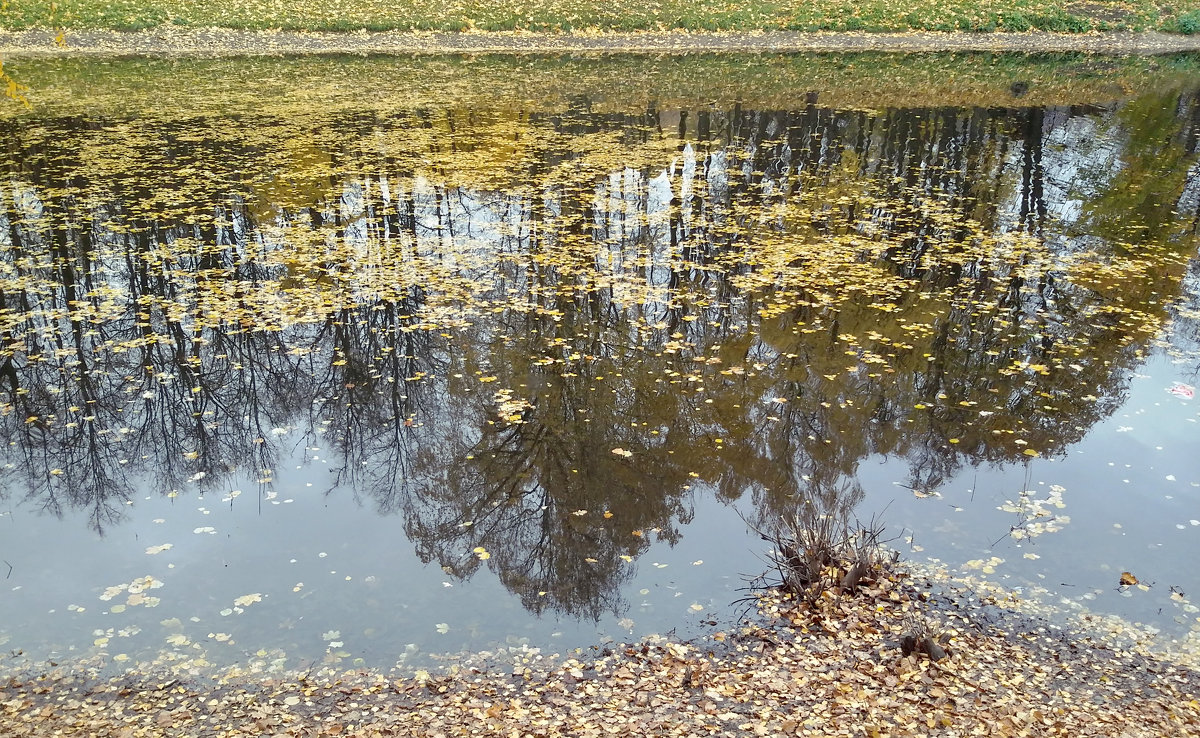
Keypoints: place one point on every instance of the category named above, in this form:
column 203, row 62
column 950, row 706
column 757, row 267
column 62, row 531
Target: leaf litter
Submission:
column 836, row 665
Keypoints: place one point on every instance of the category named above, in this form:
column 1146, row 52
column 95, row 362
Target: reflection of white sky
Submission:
column 687, row 183
column 27, row 205
column 1125, row 513
column 1079, row 157
column 353, row 214
column 1189, row 201
column 716, row 170
column 369, row 585
column 241, row 230
column 5, row 224
column 1117, row 476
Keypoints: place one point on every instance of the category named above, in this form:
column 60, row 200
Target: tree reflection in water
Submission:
column 499, row 320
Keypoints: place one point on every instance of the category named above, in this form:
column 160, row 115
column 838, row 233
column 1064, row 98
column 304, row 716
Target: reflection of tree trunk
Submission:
column 523, row 481
column 994, row 154
column 8, row 370
column 1033, row 203
column 1189, row 103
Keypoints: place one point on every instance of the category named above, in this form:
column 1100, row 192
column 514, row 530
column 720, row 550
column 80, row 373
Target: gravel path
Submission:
column 222, row 42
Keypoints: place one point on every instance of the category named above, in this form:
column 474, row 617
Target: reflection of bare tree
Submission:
column 619, row 311
column 541, row 490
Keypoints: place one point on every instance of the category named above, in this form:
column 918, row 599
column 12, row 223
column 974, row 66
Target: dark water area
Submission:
column 361, row 385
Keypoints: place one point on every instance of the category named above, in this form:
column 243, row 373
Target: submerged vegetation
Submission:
column 558, row 16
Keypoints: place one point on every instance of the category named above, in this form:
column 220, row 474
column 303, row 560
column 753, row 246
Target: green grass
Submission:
column 1188, row 22
column 612, row 15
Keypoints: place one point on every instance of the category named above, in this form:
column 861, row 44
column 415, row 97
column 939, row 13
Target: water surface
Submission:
column 293, row 373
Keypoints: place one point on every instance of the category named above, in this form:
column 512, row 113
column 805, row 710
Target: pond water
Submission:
column 366, row 361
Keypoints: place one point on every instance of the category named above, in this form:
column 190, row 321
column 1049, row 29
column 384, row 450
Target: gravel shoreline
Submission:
column 224, row 42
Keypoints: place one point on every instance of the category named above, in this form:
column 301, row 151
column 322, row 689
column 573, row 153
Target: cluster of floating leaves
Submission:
column 136, row 591
column 1035, row 515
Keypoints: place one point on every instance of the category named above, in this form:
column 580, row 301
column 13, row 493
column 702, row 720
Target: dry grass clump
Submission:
column 817, row 554
column 818, row 557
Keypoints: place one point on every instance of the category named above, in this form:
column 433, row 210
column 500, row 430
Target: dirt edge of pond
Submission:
column 835, row 668
column 225, row 42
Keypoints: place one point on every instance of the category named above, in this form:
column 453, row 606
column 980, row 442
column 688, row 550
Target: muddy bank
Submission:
column 222, row 42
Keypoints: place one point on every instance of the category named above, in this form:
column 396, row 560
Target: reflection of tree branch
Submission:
column 702, row 330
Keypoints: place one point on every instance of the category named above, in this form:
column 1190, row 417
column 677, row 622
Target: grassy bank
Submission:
column 1071, row 16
